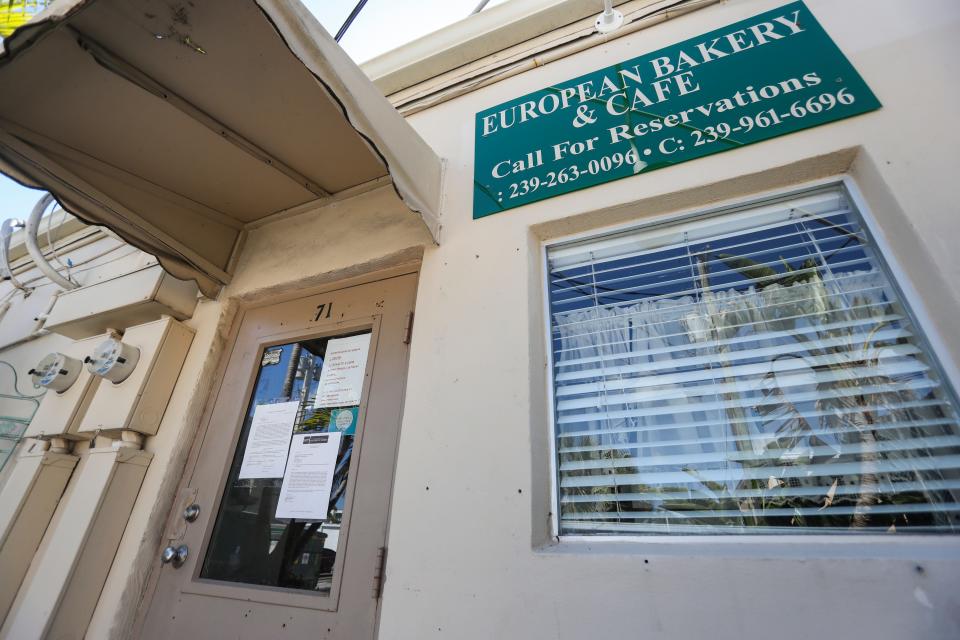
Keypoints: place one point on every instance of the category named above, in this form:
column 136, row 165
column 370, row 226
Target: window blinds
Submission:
column 754, row 372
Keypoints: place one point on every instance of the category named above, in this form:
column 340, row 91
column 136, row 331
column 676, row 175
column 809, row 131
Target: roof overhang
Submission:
column 180, row 124
column 491, row 31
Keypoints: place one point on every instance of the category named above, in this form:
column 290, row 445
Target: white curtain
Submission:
column 739, row 402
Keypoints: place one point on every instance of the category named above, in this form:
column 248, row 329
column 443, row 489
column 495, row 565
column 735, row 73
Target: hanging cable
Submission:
column 349, row 21
column 16, row 382
column 480, row 6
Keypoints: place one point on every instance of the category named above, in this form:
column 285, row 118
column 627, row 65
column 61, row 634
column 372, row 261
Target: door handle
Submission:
column 174, row 555
column 190, row 513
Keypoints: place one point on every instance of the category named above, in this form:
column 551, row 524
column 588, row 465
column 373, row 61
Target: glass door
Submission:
column 281, row 520
column 251, row 543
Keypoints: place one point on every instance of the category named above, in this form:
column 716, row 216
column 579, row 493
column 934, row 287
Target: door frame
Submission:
column 284, row 596
column 234, row 319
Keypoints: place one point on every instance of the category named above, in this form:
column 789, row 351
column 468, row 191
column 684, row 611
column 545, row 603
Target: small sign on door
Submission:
column 341, row 379
column 308, row 480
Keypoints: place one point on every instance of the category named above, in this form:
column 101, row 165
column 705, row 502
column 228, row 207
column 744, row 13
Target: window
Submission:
column 251, row 542
column 750, row 372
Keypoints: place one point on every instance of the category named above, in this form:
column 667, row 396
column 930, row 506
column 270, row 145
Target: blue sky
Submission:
column 16, row 201
column 381, row 26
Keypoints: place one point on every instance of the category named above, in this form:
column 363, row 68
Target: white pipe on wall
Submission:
column 33, row 226
column 41, row 319
column 610, row 19
column 6, row 232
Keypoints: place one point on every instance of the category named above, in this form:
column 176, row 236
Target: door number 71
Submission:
column 324, row 310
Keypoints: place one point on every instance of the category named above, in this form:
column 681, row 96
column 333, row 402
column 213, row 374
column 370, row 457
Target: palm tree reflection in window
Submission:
column 249, row 544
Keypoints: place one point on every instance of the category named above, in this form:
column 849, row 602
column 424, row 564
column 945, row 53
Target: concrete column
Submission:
column 62, row 587
column 27, row 502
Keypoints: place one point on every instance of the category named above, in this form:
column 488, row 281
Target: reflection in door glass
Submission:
column 250, row 543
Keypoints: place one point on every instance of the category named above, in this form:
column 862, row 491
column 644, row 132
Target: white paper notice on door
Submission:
column 265, row 455
column 341, row 379
column 308, row 481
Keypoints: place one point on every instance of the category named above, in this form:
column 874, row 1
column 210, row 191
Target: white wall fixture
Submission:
column 113, row 359
column 64, row 405
column 135, row 397
column 56, row 372
column 130, row 299
column 610, row 20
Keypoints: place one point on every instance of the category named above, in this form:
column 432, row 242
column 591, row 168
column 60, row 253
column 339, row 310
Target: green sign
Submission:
column 759, row 78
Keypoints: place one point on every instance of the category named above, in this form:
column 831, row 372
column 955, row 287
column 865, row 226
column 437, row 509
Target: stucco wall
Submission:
column 469, row 549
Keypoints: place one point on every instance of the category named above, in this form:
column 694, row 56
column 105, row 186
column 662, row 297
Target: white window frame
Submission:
column 780, row 544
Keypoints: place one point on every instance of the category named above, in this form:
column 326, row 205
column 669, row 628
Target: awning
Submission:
column 179, row 123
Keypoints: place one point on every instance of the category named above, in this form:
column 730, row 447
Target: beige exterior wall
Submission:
column 472, row 557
